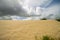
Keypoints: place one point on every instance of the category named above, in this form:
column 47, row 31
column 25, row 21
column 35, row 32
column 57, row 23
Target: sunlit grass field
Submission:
column 29, row 30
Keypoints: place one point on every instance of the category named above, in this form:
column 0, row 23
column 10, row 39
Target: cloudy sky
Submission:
column 29, row 9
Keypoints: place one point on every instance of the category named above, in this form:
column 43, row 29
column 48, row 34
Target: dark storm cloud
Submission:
column 11, row 7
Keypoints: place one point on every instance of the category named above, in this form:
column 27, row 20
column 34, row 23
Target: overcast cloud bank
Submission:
column 29, row 9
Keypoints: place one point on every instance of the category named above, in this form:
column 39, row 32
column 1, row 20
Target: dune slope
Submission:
column 27, row 30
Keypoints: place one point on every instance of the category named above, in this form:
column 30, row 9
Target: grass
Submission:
column 36, row 38
column 46, row 38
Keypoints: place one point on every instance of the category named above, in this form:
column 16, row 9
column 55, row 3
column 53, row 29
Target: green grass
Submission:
column 46, row 38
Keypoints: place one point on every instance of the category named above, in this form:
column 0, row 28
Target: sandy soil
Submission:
column 27, row 30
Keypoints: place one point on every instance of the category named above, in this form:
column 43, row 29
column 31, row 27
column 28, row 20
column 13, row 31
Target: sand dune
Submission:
column 27, row 30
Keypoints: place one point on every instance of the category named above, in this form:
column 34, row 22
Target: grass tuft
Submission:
column 46, row 38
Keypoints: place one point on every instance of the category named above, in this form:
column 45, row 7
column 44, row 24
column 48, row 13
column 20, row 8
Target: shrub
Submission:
column 43, row 19
column 58, row 20
column 46, row 38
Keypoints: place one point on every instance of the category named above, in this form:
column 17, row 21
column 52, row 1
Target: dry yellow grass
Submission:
column 27, row 30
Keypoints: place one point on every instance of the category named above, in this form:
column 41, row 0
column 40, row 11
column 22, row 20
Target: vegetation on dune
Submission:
column 58, row 20
column 43, row 19
column 46, row 38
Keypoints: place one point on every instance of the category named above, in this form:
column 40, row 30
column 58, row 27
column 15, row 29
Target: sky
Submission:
column 29, row 9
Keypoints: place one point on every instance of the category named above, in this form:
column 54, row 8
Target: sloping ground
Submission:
column 27, row 30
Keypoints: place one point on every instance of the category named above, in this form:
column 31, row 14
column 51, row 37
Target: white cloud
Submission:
column 18, row 9
column 52, row 12
column 35, row 2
